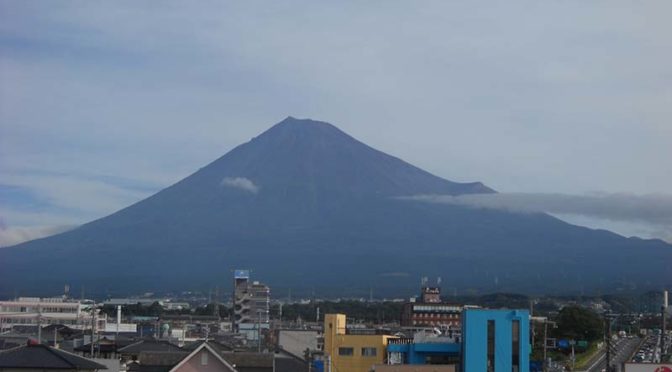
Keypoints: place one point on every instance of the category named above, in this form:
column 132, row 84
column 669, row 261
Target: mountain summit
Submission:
column 315, row 159
column 308, row 207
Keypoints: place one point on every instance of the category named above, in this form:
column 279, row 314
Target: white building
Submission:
column 46, row 311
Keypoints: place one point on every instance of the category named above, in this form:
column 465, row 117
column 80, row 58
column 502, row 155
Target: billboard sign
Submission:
column 241, row 274
column 648, row 367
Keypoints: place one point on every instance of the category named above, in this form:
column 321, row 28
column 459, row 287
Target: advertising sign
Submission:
column 647, row 367
column 241, row 274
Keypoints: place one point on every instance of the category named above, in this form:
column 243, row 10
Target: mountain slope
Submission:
column 307, row 206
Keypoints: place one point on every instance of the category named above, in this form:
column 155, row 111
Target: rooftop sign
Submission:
column 241, row 274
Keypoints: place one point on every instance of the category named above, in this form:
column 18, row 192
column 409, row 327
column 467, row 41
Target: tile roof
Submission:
column 162, row 358
column 286, row 362
column 137, row 367
column 149, row 345
column 248, row 359
column 46, row 357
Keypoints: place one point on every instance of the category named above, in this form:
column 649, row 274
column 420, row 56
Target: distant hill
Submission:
column 308, row 207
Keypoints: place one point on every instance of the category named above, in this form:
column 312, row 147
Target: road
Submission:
column 622, row 349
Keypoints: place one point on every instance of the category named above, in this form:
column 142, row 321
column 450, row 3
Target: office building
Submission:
column 430, row 311
column 45, row 311
column 495, row 340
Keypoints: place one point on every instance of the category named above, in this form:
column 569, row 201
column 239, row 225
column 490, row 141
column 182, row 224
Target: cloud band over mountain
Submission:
column 15, row 235
column 651, row 209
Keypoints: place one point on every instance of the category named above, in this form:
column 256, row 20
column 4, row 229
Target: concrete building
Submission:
column 346, row 351
column 430, row 311
column 252, row 302
column 297, row 341
column 46, row 311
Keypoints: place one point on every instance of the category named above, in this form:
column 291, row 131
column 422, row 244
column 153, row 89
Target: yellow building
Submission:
column 351, row 352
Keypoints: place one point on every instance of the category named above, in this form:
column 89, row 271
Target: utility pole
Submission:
column 259, row 331
column 545, row 343
column 93, row 325
column 118, row 322
column 532, row 324
column 546, row 323
column 39, row 323
column 607, row 319
column 572, row 342
column 663, row 311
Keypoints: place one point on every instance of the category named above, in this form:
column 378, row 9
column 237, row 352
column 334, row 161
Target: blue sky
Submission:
column 104, row 103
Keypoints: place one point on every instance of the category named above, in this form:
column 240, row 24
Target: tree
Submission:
column 578, row 323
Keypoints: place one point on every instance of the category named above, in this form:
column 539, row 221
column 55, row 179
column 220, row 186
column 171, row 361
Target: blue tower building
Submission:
column 490, row 341
column 495, row 340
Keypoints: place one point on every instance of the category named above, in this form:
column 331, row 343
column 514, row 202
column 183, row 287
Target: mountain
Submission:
column 308, row 207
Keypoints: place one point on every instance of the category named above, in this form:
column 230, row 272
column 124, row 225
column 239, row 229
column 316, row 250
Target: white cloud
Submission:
column 14, row 235
column 89, row 196
column 241, row 183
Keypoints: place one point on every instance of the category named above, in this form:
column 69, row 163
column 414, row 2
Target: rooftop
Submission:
column 45, row 357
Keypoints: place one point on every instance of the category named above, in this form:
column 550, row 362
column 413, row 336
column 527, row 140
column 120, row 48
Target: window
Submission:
column 515, row 358
column 204, row 358
column 491, row 346
column 345, row 351
column 369, row 351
